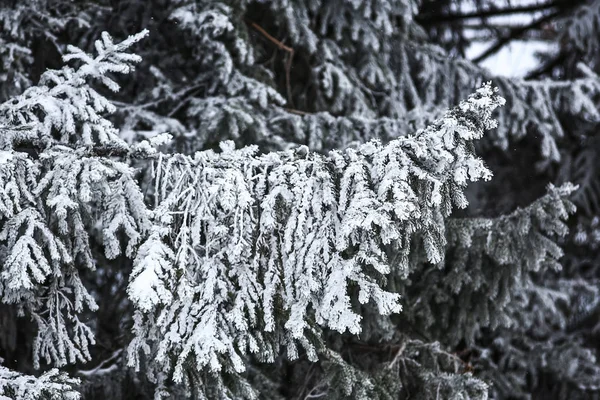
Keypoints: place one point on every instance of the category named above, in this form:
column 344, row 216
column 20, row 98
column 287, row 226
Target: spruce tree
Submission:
column 292, row 199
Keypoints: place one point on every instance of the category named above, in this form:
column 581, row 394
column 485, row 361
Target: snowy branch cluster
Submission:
column 267, row 210
column 51, row 199
column 240, row 252
column 241, row 240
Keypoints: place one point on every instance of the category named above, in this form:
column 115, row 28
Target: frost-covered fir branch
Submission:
column 50, row 385
column 539, row 343
column 519, row 301
column 24, row 25
column 580, row 32
column 50, row 199
column 252, row 252
column 71, row 109
column 489, row 259
column 367, row 70
column 406, row 368
column 511, row 262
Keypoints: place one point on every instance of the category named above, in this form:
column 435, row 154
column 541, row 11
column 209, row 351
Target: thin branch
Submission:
column 184, row 93
column 288, row 63
column 298, row 112
column 185, row 98
column 430, row 19
column 271, row 38
column 102, row 368
column 487, row 32
column 516, row 33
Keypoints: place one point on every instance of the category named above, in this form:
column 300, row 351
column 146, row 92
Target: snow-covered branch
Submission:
column 248, row 248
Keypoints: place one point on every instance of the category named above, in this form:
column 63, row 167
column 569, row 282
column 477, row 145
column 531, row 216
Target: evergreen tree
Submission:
column 283, row 200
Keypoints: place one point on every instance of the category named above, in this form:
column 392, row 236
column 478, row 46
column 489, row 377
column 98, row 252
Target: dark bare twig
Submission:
column 431, row 19
column 288, row 62
column 516, row 33
column 298, row 112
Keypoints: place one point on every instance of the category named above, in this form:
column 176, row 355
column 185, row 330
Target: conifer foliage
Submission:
column 244, row 217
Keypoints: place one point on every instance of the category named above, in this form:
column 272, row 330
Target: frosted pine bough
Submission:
column 250, row 251
column 51, row 384
column 54, row 189
column 238, row 253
